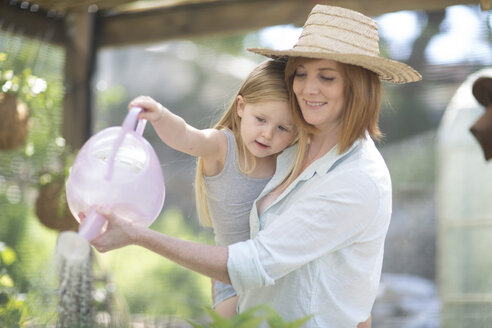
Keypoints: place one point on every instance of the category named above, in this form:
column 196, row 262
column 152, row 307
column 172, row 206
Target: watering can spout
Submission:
column 92, row 225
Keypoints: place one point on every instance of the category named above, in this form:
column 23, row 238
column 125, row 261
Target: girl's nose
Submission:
column 268, row 132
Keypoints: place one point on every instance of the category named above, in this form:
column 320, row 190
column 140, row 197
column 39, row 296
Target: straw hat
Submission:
column 482, row 91
column 345, row 36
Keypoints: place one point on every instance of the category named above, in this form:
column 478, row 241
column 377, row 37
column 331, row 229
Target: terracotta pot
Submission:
column 14, row 125
column 50, row 212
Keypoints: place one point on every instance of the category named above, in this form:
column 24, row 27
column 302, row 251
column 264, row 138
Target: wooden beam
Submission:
column 226, row 16
column 190, row 19
column 31, row 21
column 79, row 68
column 66, row 6
column 197, row 19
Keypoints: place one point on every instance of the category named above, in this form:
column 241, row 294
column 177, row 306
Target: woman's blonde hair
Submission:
column 265, row 83
column 362, row 101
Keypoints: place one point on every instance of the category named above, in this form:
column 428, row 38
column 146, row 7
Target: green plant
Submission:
column 31, row 72
column 18, row 88
column 12, row 307
column 251, row 318
column 19, row 82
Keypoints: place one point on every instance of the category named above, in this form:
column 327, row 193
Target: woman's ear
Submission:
column 240, row 104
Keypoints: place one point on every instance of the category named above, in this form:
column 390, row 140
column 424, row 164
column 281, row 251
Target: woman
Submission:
column 317, row 240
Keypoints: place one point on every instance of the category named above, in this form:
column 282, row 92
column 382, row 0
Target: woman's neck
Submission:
column 319, row 145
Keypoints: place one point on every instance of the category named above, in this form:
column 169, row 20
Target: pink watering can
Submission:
column 116, row 168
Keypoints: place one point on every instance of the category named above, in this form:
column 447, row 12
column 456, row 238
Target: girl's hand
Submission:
column 152, row 110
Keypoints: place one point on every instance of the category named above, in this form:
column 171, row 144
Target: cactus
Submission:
column 74, row 262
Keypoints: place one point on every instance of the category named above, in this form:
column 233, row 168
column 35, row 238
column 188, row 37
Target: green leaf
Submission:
column 298, row 322
column 250, row 322
column 195, row 324
column 218, row 320
column 6, row 281
column 8, row 256
column 276, row 321
column 4, row 298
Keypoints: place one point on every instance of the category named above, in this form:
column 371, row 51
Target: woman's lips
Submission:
column 314, row 103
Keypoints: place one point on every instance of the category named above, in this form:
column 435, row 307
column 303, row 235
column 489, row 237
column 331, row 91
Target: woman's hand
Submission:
column 152, row 110
column 119, row 232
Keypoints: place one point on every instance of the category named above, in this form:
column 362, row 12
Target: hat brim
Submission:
column 388, row 70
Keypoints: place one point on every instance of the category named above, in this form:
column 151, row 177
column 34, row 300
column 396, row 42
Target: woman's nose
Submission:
column 311, row 86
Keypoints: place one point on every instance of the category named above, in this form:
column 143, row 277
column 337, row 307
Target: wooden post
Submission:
column 80, row 27
column 485, row 4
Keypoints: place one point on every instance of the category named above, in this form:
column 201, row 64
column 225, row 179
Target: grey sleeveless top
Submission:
column 230, row 196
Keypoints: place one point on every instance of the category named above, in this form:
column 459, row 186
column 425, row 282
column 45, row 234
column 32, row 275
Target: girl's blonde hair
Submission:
column 362, row 101
column 265, row 83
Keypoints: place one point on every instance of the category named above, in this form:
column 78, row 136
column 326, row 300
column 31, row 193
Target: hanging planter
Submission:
column 51, row 206
column 51, row 203
column 14, row 125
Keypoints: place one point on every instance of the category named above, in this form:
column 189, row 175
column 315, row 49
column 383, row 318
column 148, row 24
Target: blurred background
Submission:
column 436, row 269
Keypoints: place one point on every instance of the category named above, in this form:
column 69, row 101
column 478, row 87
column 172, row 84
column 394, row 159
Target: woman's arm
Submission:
column 208, row 260
column 175, row 132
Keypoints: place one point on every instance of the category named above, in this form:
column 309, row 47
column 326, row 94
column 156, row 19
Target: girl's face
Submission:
column 318, row 86
column 267, row 127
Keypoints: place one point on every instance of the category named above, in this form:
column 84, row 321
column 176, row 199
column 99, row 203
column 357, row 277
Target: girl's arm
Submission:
column 176, row 133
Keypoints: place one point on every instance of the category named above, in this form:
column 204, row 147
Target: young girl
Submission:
column 236, row 158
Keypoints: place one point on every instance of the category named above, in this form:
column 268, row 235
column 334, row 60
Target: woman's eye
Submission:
column 327, row 78
column 299, row 72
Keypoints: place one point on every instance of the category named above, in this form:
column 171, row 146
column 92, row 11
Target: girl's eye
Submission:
column 281, row 128
column 259, row 119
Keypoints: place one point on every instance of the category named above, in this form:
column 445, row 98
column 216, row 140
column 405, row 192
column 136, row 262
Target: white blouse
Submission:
column 318, row 248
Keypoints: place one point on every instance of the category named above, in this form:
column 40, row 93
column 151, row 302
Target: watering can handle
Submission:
column 131, row 119
column 127, row 127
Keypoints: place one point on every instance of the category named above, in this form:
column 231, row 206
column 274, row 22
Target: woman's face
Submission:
column 318, row 86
